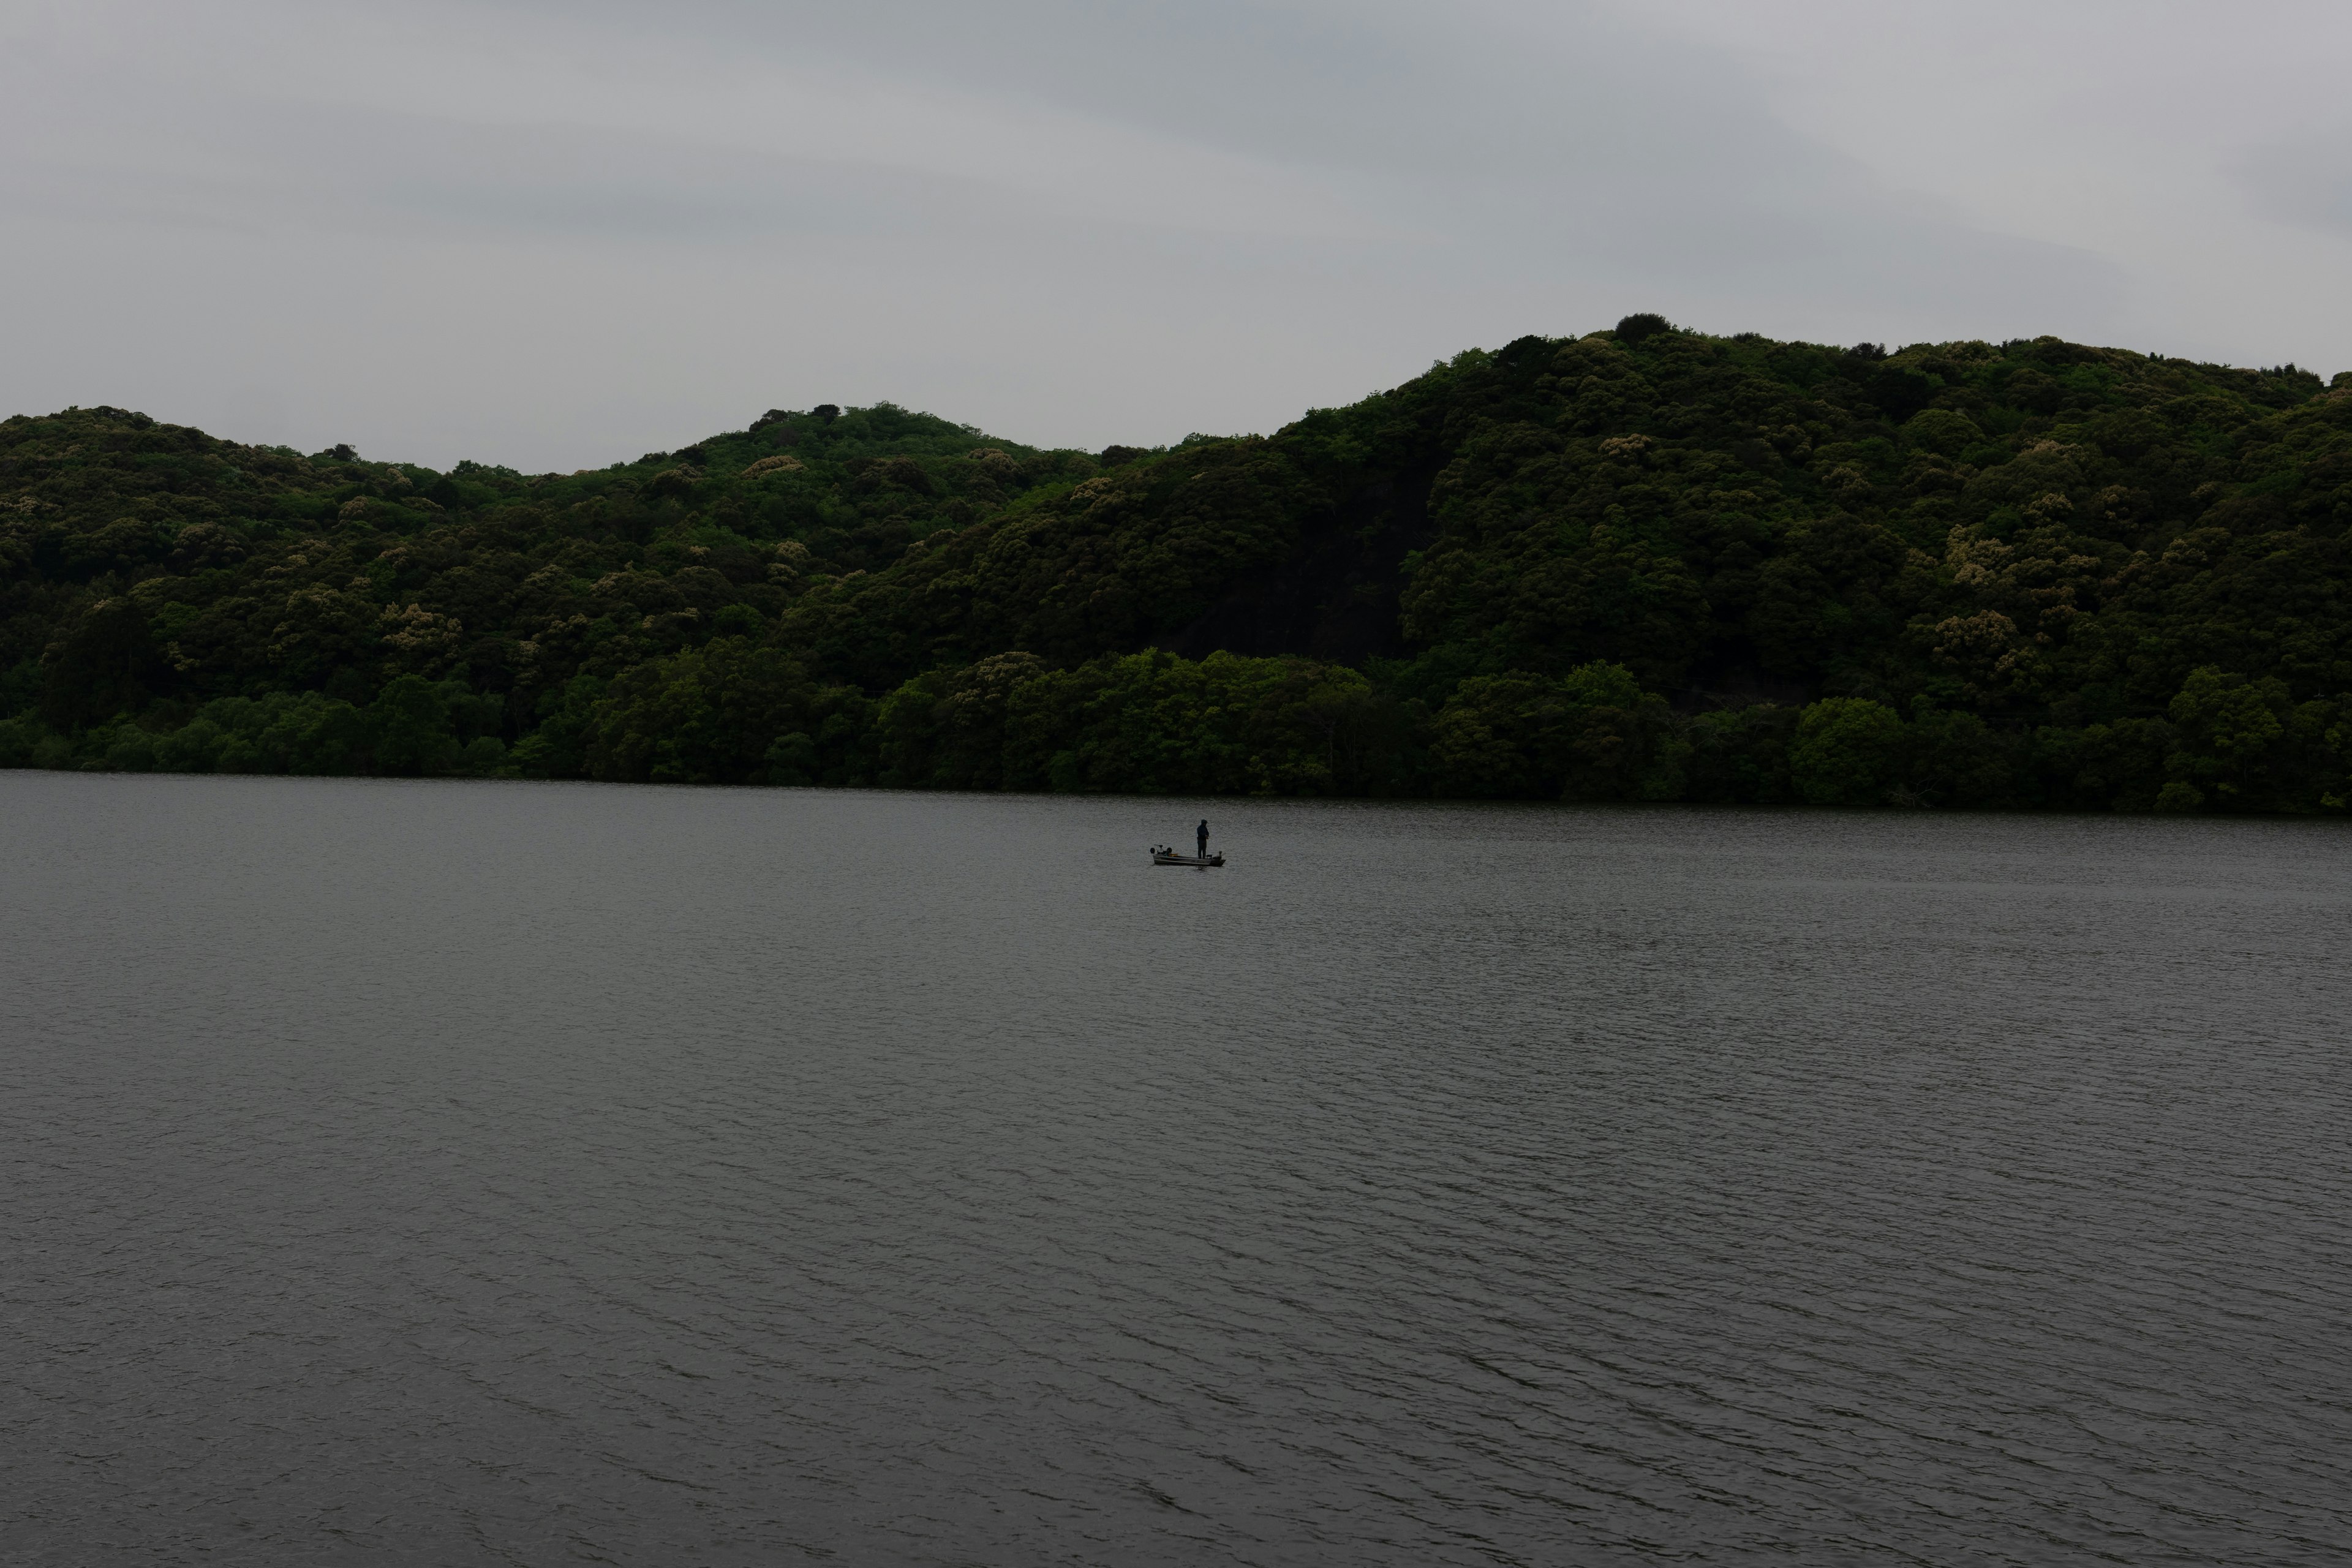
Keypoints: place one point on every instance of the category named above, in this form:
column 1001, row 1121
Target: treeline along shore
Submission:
column 1641, row 564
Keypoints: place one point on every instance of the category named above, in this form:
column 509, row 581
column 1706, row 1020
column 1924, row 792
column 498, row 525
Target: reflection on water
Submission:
column 542, row 1174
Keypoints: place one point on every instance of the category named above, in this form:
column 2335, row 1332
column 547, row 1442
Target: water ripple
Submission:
column 539, row 1174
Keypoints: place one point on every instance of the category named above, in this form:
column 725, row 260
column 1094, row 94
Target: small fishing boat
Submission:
column 1162, row 855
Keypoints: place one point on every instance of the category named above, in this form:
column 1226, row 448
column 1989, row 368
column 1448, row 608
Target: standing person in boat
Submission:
column 1200, row 836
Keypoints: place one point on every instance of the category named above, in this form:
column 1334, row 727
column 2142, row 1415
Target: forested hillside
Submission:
column 1644, row 563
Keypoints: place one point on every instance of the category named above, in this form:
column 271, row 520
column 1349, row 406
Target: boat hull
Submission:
column 1164, row 858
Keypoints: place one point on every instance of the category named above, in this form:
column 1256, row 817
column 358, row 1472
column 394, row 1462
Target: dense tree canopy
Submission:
column 1644, row 563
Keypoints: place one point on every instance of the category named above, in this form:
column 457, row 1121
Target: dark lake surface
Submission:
column 514, row 1173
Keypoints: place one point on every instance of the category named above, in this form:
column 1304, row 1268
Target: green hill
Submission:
column 1645, row 564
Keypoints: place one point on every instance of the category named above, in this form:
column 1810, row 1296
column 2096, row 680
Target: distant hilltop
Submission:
column 1645, row 564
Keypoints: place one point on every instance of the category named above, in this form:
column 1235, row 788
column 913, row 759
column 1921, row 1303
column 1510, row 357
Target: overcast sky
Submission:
column 555, row 235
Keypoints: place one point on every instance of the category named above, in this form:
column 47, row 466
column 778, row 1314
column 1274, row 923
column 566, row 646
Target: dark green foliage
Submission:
column 728, row 712
column 1846, row 752
column 1740, row 755
column 413, row 727
column 1591, row 734
column 1644, row 565
column 100, row 667
column 1149, row 723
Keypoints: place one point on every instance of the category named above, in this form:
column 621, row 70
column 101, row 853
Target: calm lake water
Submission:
column 519, row 1174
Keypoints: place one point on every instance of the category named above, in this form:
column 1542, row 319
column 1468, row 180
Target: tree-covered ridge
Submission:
column 1643, row 564
column 255, row 569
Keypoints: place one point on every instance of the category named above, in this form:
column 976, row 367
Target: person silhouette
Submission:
column 1201, row 838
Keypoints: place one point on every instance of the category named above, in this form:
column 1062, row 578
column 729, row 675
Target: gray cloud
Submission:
column 549, row 233
column 2305, row 182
